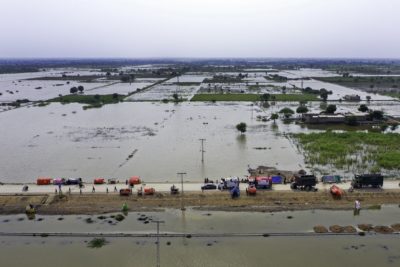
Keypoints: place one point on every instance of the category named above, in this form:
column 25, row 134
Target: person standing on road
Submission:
column 357, row 207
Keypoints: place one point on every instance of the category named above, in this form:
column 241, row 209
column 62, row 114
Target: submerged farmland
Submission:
column 352, row 151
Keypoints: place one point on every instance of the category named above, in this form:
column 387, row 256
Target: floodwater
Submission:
column 66, row 141
column 153, row 140
column 370, row 250
column 162, row 139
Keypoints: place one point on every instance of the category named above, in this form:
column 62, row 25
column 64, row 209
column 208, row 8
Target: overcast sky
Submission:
column 200, row 28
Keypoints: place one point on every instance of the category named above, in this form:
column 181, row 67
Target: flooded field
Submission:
column 152, row 139
column 72, row 142
column 66, row 141
column 374, row 250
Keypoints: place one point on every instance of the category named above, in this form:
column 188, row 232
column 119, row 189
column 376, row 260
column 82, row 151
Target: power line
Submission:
column 181, row 174
column 158, row 240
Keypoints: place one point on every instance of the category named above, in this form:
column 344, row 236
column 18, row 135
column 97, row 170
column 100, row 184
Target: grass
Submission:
column 97, row 243
column 253, row 97
column 357, row 150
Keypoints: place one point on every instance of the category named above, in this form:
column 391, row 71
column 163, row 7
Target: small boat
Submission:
column 336, row 190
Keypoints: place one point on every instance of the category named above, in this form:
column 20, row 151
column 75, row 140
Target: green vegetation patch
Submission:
column 93, row 101
column 254, row 97
column 97, row 243
column 364, row 151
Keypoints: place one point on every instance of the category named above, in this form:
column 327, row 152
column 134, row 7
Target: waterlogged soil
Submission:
column 268, row 201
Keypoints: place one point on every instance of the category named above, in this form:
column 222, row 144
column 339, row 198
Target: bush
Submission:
column 241, row 127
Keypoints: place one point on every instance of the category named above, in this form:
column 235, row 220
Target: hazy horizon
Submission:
column 199, row 29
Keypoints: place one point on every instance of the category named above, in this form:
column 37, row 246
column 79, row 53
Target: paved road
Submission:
column 159, row 187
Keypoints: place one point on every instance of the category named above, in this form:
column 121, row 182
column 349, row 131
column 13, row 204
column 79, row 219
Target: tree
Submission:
column 375, row 114
column 363, row 108
column 175, row 96
column 97, row 97
column 368, row 98
column 81, row 88
column 265, row 97
column 330, row 109
column 324, row 95
column 73, row 90
column 274, row 116
column 302, row 109
column 241, row 127
column 287, row 112
column 115, row 96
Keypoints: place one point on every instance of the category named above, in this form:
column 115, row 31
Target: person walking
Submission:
column 93, row 189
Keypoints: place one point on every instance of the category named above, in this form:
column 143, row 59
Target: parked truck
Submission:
column 303, row 182
column 366, row 180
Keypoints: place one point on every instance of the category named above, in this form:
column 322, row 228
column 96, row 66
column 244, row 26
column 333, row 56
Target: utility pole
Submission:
column 202, row 149
column 158, row 240
column 177, row 88
column 181, row 174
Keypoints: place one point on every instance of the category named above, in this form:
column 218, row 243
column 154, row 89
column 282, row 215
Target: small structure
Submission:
column 316, row 118
column 354, row 98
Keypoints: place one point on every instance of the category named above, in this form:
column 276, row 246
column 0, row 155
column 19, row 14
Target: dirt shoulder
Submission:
column 263, row 202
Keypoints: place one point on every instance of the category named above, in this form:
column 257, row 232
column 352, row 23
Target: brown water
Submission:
column 66, row 141
column 375, row 250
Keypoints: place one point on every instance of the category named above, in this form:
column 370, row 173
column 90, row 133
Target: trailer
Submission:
column 263, row 182
column 304, row 182
column 367, row 180
column 125, row 192
column 331, row 179
column 73, row 181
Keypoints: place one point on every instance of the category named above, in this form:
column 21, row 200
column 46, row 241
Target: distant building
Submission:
column 321, row 118
column 316, row 118
column 352, row 98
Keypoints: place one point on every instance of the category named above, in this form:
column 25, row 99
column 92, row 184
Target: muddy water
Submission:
column 66, row 141
column 376, row 250
column 152, row 140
